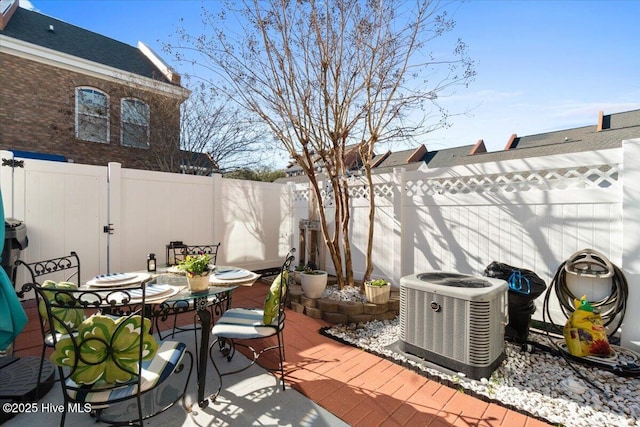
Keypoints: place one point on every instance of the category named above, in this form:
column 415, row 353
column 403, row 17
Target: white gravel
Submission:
column 538, row 383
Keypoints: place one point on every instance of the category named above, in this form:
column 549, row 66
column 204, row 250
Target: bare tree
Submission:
column 200, row 136
column 328, row 75
column 221, row 130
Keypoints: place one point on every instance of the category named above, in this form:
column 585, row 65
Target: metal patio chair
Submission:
column 239, row 326
column 110, row 364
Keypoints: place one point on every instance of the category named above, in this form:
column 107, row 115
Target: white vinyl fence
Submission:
column 531, row 213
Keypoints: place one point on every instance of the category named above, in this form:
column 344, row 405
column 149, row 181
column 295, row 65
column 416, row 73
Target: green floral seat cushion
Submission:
column 272, row 301
column 71, row 317
column 109, row 349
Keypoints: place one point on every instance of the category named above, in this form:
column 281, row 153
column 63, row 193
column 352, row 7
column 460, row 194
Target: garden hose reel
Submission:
column 589, row 273
column 589, row 263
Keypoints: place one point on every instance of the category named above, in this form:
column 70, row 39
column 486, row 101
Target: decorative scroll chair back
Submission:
column 63, row 269
column 180, row 252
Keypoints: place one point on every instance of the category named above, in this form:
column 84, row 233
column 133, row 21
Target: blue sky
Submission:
column 542, row 65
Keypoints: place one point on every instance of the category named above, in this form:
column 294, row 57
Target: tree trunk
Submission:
column 346, row 240
column 332, row 242
column 372, row 208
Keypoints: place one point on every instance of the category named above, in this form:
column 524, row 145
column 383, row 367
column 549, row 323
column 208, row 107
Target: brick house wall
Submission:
column 37, row 114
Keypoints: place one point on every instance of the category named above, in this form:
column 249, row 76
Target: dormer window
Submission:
column 135, row 123
column 92, row 115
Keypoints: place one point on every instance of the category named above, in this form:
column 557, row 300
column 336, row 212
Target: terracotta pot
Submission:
column 377, row 294
column 198, row 284
column 314, row 283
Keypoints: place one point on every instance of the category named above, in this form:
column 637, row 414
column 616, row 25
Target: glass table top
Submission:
column 185, row 294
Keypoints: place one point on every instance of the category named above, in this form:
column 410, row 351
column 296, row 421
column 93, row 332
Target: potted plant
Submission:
column 313, row 281
column 197, row 270
column 377, row 291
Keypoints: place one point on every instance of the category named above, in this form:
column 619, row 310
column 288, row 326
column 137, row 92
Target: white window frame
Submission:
column 94, row 115
column 140, row 120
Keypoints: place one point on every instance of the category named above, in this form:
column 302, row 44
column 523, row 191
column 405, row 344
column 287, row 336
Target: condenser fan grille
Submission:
column 454, row 280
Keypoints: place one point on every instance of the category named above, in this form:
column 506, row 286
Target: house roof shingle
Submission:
column 51, row 33
column 615, row 128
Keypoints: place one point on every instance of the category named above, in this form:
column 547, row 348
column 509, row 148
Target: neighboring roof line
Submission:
column 417, row 154
column 380, row 159
column 478, row 148
column 164, row 68
column 614, row 128
column 512, row 139
column 37, row 37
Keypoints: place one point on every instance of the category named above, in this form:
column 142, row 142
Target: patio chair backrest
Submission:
column 285, row 270
column 180, row 252
column 65, row 268
column 115, row 302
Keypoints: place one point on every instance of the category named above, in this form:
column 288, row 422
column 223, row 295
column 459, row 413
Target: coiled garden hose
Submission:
column 590, row 263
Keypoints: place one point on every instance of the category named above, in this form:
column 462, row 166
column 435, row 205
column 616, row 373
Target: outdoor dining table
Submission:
column 182, row 300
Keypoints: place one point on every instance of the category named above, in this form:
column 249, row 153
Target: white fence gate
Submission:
column 64, row 207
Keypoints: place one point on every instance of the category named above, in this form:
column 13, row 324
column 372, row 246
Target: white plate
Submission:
column 243, row 281
column 155, row 292
column 135, row 278
column 113, row 277
column 232, row 274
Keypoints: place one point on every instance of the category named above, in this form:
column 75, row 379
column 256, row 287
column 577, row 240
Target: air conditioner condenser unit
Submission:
column 454, row 320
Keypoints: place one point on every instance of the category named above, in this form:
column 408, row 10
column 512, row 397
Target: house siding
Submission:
column 37, row 114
